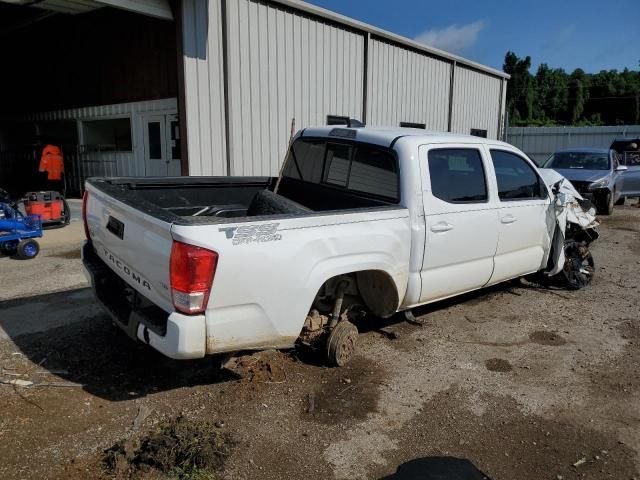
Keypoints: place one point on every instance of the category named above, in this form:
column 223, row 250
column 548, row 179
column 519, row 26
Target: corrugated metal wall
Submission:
column 476, row 102
column 406, row 86
column 540, row 142
column 282, row 60
column 283, row 65
column 204, row 87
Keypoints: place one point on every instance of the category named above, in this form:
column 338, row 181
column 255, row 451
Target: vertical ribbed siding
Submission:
column 476, row 102
column 540, row 142
column 283, row 65
column 405, row 86
column 204, row 88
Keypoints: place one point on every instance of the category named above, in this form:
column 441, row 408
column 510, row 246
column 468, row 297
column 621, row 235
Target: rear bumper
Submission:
column 172, row 334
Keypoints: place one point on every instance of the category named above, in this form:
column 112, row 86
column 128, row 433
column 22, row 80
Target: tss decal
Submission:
column 246, row 234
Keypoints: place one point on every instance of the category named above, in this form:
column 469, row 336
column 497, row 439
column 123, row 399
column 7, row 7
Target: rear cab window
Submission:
column 348, row 166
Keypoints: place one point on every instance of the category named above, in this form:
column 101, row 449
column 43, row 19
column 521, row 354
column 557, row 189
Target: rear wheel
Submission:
column 341, row 343
column 27, row 249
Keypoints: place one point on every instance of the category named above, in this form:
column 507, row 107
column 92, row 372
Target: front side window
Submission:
column 516, row 179
column 457, row 175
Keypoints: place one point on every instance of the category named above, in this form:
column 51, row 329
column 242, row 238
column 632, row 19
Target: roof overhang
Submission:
column 152, row 8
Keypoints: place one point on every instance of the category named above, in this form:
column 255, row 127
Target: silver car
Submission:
column 628, row 150
column 595, row 172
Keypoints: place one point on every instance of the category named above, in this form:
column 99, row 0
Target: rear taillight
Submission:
column 192, row 270
column 85, row 196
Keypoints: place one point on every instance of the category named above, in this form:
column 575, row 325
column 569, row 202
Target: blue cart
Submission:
column 18, row 233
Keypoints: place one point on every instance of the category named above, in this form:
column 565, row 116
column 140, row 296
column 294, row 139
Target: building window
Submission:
column 457, row 175
column 112, row 134
column 476, row 132
column 413, row 125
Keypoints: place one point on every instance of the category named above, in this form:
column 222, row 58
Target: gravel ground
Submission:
column 524, row 383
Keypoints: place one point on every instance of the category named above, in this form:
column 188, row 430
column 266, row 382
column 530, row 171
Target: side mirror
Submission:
column 622, row 168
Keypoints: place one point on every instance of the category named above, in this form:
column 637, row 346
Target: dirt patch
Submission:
column 179, row 449
column 267, row 366
column 506, row 444
column 346, row 395
column 546, row 338
column 66, row 254
column 498, row 365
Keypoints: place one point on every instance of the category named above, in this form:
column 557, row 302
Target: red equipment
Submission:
column 49, row 205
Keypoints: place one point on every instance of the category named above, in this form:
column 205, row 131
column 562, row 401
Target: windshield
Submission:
column 578, row 160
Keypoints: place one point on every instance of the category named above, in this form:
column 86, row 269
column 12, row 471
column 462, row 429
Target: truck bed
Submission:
column 206, row 200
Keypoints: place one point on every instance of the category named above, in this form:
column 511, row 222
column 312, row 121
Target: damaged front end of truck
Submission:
column 570, row 260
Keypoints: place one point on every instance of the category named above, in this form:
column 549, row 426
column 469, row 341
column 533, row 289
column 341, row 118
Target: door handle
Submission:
column 441, row 227
column 508, row 219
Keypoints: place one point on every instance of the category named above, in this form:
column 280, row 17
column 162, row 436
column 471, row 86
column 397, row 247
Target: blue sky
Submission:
column 593, row 35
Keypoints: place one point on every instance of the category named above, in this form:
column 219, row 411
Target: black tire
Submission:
column 27, row 249
column 9, row 249
column 606, row 206
column 621, row 201
column 67, row 212
column 341, row 343
column 579, row 267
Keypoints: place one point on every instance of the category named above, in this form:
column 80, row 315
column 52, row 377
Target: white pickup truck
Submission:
column 364, row 219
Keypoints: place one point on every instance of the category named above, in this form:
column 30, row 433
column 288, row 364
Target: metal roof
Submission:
column 364, row 27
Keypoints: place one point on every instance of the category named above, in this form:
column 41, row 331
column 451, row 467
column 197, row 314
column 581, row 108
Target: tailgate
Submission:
column 133, row 244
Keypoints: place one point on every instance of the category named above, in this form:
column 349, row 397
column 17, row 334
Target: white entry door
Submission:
column 161, row 145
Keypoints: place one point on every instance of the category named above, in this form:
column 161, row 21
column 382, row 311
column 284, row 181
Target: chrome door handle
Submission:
column 508, row 219
column 441, row 227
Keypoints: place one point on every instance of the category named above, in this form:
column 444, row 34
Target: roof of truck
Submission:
column 387, row 136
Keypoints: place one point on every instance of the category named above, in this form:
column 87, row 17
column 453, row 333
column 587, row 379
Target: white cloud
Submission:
column 453, row 38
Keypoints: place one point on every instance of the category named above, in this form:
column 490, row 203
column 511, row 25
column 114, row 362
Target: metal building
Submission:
column 251, row 66
column 242, row 70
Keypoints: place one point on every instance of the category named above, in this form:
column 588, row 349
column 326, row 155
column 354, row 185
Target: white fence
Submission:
column 540, row 142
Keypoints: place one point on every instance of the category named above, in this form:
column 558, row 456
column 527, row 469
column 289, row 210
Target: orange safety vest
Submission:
column 52, row 162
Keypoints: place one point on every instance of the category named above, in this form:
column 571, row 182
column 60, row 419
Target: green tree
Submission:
column 551, row 93
column 521, row 93
column 554, row 97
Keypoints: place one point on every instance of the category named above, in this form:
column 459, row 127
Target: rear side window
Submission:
column 457, row 175
column 357, row 167
column 517, row 180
